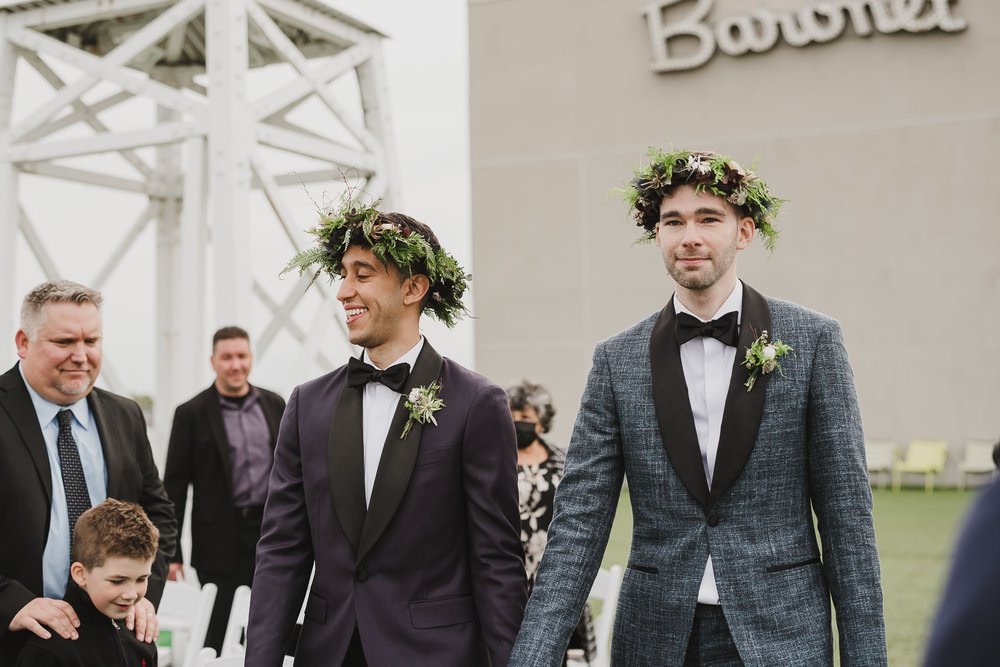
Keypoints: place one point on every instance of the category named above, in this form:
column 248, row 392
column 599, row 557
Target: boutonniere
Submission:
column 422, row 402
column 764, row 357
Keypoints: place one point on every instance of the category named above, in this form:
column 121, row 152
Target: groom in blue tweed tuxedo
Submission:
column 734, row 418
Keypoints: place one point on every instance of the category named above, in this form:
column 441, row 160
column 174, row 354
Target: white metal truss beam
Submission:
column 319, row 149
column 229, row 140
column 290, row 95
column 106, row 142
column 152, row 188
column 284, row 46
column 51, row 17
column 135, row 82
column 117, row 58
column 9, row 207
column 313, row 21
column 87, row 112
column 84, row 113
column 34, row 242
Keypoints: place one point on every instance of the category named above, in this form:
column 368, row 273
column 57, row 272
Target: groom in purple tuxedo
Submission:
column 394, row 474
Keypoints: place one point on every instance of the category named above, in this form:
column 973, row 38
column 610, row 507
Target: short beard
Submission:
column 698, row 281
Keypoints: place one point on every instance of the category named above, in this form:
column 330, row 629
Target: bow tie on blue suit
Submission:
column 726, row 329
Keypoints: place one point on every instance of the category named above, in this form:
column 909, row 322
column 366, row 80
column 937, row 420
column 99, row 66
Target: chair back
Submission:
column 185, row 610
column 606, row 586
column 880, row 454
column 978, row 457
column 239, row 616
column 927, row 454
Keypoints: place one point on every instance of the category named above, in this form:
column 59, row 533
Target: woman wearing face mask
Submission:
column 539, row 471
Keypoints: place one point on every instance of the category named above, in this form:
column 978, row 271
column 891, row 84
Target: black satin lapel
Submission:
column 346, row 462
column 399, row 454
column 744, row 409
column 112, row 441
column 16, row 402
column 213, row 415
column 673, row 407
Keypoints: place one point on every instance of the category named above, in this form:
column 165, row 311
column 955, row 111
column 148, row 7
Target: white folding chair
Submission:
column 232, row 644
column 185, row 611
column 239, row 617
column 606, row 586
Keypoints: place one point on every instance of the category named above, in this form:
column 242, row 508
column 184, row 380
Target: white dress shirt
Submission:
column 379, row 404
column 708, row 369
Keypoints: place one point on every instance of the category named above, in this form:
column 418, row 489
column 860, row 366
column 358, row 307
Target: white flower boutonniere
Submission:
column 422, row 402
column 764, row 357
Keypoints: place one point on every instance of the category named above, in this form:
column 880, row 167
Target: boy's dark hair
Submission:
column 228, row 333
column 114, row 528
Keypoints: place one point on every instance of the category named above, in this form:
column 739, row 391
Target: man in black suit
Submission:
column 222, row 443
column 65, row 445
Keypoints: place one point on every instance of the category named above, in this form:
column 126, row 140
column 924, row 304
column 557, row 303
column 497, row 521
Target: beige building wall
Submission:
column 887, row 147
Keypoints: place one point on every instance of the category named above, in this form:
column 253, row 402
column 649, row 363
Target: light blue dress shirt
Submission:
column 56, row 557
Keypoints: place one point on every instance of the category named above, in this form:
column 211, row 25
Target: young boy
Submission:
column 114, row 544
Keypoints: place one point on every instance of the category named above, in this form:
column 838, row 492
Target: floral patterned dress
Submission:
column 536, row 485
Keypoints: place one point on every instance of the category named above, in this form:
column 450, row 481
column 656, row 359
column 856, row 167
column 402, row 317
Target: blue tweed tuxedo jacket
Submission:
column 790, row 447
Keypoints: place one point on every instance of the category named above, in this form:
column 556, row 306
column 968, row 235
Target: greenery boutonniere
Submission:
column 422, row 402
column 763, row 357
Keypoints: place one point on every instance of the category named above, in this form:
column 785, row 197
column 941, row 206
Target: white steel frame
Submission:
column 208, row 156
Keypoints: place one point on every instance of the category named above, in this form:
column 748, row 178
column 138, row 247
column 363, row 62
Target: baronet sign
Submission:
column 761, row 29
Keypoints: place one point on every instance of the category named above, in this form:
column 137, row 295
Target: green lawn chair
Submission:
column 922, row 456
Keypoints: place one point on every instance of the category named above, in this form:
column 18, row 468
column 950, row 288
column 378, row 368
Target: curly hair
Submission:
column 394, row 238
column 527, row 394
column 114, row 528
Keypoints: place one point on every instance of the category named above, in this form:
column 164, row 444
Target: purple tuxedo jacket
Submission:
column 431, row 573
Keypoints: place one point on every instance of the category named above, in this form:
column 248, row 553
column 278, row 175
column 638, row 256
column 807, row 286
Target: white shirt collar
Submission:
column 409, row 358
column 46, row 410
column 734, row 302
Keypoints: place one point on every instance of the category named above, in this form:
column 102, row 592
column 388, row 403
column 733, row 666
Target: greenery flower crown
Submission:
column 718, row 174
column 392, row 238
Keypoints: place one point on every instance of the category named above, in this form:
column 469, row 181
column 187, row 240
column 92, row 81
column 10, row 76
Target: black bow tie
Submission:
column 725, row 329
column 359, row 374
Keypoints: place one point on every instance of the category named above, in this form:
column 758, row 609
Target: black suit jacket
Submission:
column 26, row 493
column 198, row 455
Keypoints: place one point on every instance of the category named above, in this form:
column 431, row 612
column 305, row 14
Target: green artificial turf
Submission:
column 915, row 531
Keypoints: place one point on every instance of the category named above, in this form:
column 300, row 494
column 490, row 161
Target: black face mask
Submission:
column 525, row 434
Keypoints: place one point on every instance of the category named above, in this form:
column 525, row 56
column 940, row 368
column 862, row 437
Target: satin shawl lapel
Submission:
column 16, row 402
column 346, row 462
column 744, row 409
column 398, row 455
column 673, row 408
column 113, row 439
column 213, row 415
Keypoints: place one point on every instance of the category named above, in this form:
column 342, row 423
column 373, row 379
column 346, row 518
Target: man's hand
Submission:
column 142, row 619
column 176, row 572
column 55, row 614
